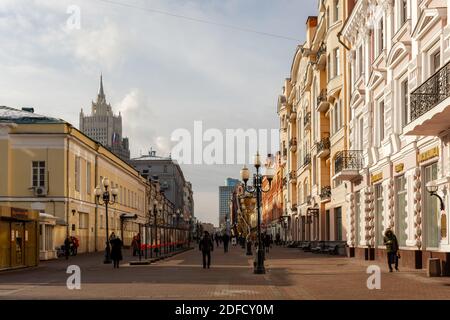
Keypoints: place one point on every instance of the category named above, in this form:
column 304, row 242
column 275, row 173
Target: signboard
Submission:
column 19, row 213
column 376, row 177
column 429, row 154
column 399, row 168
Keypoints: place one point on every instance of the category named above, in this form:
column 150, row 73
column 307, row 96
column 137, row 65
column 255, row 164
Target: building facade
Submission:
column 313, row 120
column 225, row 194
column 399, row 55
column 169, row 174
column 49, row 167
column 105, row 127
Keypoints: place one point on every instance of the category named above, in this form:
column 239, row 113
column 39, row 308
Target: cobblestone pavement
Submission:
column 291, row 274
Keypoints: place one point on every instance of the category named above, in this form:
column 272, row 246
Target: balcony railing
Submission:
column 307, row 119
column 348, row 160
column 322, row 97
column 323, row 144
column 307, row 159
column 430, row 93
column 325, row 193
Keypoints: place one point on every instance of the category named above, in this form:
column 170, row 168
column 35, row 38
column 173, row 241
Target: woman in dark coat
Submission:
column 116, row 251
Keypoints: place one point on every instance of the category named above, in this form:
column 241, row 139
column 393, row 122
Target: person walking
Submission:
column 226, row 240
column 390, row 240
column 67, row 248
column 116, row 251
column 277, row 239
column 206, row 246
column 267, row 242
column 134, row 246
column 217, row 239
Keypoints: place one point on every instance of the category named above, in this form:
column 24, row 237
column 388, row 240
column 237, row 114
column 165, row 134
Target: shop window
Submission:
column 338, row 219
column 400, row 209
column 431, row 209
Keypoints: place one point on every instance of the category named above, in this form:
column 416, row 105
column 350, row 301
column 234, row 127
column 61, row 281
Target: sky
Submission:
column 164, row 67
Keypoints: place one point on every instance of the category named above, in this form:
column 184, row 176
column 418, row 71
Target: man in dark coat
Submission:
column 116, row 251
column 67, row 244
column 390, row 240
column 226, row 240
column 206, row 246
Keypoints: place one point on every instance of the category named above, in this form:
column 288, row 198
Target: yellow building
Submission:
column 49, row 166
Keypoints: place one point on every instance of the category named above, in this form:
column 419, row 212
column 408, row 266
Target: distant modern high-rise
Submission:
column 105, row 127
column 225, row 193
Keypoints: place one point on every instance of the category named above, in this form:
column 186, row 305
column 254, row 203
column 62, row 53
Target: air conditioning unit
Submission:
column 40, row 191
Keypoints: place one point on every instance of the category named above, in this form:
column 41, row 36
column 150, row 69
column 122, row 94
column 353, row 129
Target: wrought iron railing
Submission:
column 307, row 119
column 325, row 192
column 322, row 97
column 348, row 160
column 307, row 159
column 430, row 93
column 323, row 144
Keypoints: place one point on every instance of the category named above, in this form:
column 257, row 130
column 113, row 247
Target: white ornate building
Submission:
column 399, row 128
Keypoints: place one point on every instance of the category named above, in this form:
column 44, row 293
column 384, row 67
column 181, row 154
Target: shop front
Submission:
column 18, row 238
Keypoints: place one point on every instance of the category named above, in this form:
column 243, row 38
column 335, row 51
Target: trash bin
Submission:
column 434, row 267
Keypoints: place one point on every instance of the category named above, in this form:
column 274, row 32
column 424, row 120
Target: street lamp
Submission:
column 432, row 189
column 170, row 225
column 108, row 198
column 257, row 190
column 177, row 217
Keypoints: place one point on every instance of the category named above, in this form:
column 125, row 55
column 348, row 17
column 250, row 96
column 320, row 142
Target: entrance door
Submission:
column 18, row 244
column 30, row 244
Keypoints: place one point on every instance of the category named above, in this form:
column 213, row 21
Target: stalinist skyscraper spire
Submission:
column 105, row 127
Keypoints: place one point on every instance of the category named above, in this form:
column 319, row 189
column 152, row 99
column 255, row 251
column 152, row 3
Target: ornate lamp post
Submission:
column 432, row 189
column 257, row 190
column 108, row 197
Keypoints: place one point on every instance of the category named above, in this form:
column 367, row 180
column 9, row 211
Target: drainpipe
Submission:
column 69, row 131
column 96, row 205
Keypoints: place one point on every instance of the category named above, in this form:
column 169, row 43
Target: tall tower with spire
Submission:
column 105, row 127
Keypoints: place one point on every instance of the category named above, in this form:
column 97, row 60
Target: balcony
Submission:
column 323, row 147
column 321, row 56
column 307, row 121
column 307, row 159
column 325, row 193
column 322, row 101
column 430, row 105
column 293, row 144
column 293, row 176
column 347, row 165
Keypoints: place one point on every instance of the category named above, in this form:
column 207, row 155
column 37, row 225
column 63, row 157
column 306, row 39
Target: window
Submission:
column 400, row 210
column 435, row 62
column 77, row 173
column 404, row 102
column 403, row 11
column 88, row 177
column 361, row 133
column 431, row 209
column 327, row 225
column 328, row 17
column 336, row 70
column 329, row 68
column 38, row 173
column 380, row 122
column 84, row 220
column 336, row 10
column 360, row 58
column 380, row 39
column 337, row 117
column 102, row 222
column 379, row 213
column 121, row 195
column 338, row 218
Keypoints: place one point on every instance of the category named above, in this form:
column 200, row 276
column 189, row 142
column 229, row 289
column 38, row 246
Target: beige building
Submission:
column 313, row 111
column 49, row 166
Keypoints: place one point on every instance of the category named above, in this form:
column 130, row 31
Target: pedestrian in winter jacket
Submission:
column 206, row 245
